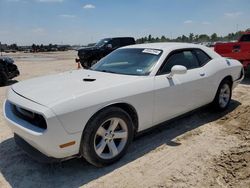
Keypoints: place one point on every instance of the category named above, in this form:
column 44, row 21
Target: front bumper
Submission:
column 46, row 141
column 33, row 152
column 238, row 81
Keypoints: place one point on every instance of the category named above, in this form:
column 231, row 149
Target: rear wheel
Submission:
column 107, row 137
column 3, row 78
column 223, row 95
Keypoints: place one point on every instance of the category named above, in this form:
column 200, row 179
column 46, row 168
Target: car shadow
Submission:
column 9, row 83
column 19, row 170
column 246, row 80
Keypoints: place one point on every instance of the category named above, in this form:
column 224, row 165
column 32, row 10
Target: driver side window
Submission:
column 185, row 58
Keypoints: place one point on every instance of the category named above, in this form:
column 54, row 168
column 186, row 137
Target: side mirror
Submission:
column 109, row 46
column 177, row 69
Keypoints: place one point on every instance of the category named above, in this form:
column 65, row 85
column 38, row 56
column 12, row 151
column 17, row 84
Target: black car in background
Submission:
column 8, row 70
column 90, row 55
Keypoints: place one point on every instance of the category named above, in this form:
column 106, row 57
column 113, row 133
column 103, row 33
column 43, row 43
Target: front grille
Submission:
column 29, row 116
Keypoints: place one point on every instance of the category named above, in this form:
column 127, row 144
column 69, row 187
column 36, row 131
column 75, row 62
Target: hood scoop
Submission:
column 89, row 79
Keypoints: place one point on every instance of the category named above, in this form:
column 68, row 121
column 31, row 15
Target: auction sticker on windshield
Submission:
column 151, row 51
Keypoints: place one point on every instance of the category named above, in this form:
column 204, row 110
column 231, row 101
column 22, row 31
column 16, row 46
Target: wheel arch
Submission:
column 229, row 78
column 86, row 149
column 124, row 106
column 215, row 103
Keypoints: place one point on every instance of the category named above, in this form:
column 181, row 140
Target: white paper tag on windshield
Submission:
column 151, row 51
column 139, row 70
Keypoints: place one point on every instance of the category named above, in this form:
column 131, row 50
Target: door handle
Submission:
column 202, row 74
column 236, row 50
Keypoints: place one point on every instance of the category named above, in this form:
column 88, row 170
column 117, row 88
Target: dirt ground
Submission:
column 204, row 149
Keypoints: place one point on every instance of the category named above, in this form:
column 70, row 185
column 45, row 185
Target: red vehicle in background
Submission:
column 237, row 50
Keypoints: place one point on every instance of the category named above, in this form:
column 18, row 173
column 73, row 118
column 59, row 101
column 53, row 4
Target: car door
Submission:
column 181, row 93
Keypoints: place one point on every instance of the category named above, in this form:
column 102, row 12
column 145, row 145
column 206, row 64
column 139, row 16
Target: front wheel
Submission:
column 107, row 137
column 223, row 95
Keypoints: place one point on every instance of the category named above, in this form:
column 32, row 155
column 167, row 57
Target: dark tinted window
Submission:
column 127, row 41
column 202, row 56
column 116, row 43
column 185, row 58
column 103, row 42
column 245, row 38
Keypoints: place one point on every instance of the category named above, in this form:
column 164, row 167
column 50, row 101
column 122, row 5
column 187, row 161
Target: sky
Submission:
column 86, row 21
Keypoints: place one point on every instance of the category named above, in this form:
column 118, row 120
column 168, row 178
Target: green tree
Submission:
column 13, row 47
column 163, row 38
column 196, row 38
column 34, row 48
column 191, row 37
column 149, row 38
column 204, row 38
column 184, row 38
column 214, row 37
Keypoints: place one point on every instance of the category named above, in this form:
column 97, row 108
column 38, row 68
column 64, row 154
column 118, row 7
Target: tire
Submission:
column 223, row 95
column 3, row 79
column 107, row 137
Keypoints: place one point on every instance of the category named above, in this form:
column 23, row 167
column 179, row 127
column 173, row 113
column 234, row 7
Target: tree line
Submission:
column 190, row 38
column 194, row 38
column 49, row 48
column 34, row 48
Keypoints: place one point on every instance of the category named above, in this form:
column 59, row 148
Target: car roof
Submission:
column 171, row 46
column 118, row 38
column 165, row 45
column 122, row 38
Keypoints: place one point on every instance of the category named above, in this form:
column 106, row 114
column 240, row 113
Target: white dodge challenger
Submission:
column 96, row 113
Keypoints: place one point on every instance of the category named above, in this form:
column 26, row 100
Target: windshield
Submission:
column 102, row 42
column 129, row 61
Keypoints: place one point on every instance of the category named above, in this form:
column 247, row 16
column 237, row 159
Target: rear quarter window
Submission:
column 127, row 41
column 245, row 38
column 116, row 43
column 202, row 57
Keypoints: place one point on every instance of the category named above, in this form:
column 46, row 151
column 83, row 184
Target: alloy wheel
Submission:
column 224, row 96
column 111, row 138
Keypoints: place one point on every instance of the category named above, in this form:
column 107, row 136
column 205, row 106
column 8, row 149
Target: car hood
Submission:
column 88, row 49
column 7, row 60
column 52, row 89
